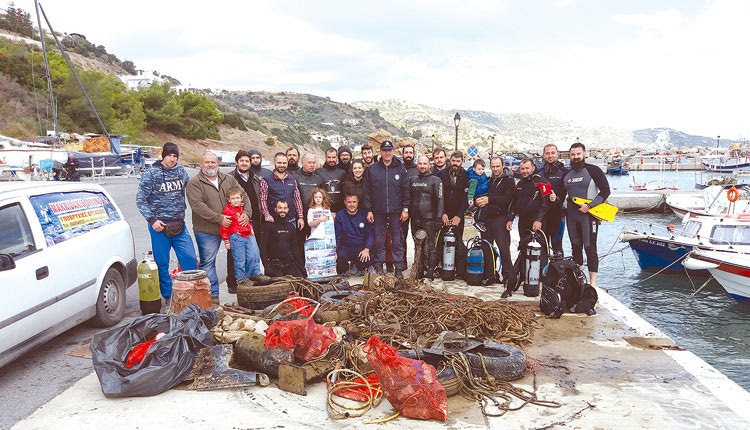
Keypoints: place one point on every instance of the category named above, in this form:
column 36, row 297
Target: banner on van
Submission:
column 67, row 215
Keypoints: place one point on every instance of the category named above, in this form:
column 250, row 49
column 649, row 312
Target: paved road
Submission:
column 39, row 376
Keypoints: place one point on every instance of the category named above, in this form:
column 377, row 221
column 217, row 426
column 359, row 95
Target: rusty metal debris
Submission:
column 211, row 371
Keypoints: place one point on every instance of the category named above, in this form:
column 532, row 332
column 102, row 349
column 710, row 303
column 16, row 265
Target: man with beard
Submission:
column 332, row 178
column 387, row 200
column 161, row 200
column 292, row 156
column 367, row 155
column 497, row 206
column 279, row 250
column 411, row 166
column 439, row 160
column 530, row 201
column 256, row 160
column 588, row 182
column 280, row 185
column 251, row 185
column 207, row 195
column 345, row 158
column 426, row 210
column 456, row 191
column 554, row 171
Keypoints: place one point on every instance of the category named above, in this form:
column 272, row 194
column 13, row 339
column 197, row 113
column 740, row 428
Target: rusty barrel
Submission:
column 190, row 286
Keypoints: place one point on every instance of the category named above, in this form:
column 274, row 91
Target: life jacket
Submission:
column 565, row 289
column 481, row 263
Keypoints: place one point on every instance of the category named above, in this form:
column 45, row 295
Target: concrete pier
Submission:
column 611, row 370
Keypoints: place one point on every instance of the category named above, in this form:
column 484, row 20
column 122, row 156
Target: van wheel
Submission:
column 110, row 306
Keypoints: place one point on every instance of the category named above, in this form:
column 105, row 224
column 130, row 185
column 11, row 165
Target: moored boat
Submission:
column 731, row 268
column 665, row 249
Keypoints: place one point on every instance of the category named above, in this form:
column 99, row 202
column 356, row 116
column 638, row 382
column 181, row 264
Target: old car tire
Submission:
column 336, row 297
column 258, row 297
column 501, row 360
column 110, row 306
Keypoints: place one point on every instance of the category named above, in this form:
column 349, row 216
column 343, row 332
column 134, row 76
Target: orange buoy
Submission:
column 733, row 195
column 641, row 159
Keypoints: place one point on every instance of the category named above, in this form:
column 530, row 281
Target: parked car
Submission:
column 66, row 256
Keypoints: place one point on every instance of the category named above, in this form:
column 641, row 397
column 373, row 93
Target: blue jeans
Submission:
column 246, row 256
column 183, row 247
column 397, row 240
column 208, row 247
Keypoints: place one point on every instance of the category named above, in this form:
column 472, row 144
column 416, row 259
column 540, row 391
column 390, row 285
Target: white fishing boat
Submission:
column 711, row 201
column 737, row 157
column 661, row 249
column 730, row 268
column 27, row 160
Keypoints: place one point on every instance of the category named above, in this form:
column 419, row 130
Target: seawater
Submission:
column 712, row 324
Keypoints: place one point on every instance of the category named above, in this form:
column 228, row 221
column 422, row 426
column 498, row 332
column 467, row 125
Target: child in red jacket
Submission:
column 239, row 239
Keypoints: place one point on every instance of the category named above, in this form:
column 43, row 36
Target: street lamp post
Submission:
column 492, row 147
column 717, row 141
column 433, row 144
column 457, row 120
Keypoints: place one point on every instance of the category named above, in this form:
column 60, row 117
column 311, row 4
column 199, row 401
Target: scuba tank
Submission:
column 149, row 293
column 533, row 268
column 475, row 263
column 449, row 254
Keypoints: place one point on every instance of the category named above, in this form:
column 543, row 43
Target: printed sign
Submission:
column 320, row 252
column 66, row 215
column 472, row 151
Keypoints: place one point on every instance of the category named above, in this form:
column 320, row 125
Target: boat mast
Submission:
column 46, row 67
column 70, row 65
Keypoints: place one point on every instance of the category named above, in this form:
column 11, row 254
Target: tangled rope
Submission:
column 418, row 315
column 489, row 391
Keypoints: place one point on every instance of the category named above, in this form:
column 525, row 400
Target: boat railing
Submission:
column 650, row 228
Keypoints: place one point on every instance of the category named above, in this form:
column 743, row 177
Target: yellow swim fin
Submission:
column 602, row 211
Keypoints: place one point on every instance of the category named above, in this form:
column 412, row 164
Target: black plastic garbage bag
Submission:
column 168, row 360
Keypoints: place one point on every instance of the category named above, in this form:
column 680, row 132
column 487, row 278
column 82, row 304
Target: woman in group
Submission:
column 352, row 185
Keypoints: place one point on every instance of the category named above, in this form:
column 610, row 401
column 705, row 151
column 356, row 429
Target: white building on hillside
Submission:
column 144, row 78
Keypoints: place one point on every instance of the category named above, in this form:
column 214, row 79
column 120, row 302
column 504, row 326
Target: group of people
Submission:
column 265, row 216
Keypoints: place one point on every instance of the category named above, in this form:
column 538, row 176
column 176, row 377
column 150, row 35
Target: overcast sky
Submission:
column 628, row 64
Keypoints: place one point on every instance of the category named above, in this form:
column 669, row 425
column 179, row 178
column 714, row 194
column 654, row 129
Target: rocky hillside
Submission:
column 668, row 137
column 515, row 131
column 320, row 116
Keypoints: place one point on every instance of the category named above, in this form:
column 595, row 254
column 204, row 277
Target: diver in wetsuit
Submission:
column 588, row 182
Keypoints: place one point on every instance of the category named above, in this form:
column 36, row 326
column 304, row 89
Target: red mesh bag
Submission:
column 411, row 386
column 308, row 339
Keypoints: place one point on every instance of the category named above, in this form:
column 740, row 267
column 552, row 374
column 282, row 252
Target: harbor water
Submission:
column 712, row 324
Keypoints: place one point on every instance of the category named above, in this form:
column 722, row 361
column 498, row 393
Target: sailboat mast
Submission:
column 70, row 65
column 46, row 67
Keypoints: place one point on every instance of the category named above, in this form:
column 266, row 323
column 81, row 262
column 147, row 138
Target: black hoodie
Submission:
column 332, row 178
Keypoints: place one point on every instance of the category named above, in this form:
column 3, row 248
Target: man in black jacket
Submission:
column 278, row 247
column 409, row 162
column 554, row 171
column 332, row 178
column 497, row 206
column 307, row 181
column 292, row 156
column 426, row 209
column 345, row 159
column 387, row 200
column 530, row 200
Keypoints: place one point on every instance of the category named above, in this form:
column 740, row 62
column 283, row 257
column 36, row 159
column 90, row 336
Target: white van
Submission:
column 66, row 256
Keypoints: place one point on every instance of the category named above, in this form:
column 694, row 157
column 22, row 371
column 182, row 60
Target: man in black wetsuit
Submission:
column 332, row 178
column 497, row 206
column 588, row 182
column 530, row 201
column 554, row 223
column 278, row 245
column 426, row 211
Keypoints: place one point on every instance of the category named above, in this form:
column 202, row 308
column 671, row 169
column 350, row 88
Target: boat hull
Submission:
column 733, row 276
column 654, row 255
